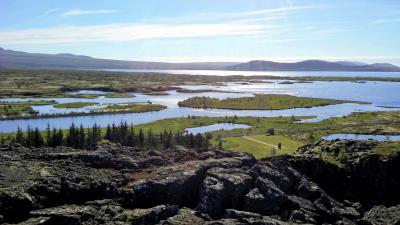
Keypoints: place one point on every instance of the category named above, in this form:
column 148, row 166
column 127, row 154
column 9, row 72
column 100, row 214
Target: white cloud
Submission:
column 79, row 12
column 275, row 10
column 126, row 32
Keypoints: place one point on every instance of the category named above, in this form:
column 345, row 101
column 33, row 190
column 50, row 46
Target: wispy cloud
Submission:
column 127, row 32
column 79, row 12
column 50, row 11
column 252, row 24
column 392, row 20
column 275, row 10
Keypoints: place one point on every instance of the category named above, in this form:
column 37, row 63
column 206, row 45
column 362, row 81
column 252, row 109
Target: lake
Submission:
column 215, row 127
column 265, row 73
column 380, row 94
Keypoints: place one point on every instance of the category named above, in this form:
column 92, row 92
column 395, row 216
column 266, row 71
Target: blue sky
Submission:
column 206, row 30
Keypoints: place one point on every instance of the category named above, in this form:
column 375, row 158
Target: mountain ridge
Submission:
column 10, row 59
column 312, row 65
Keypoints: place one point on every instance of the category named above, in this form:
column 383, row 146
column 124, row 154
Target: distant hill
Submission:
column 22, row 60
column 10, row 59
column 312, row 65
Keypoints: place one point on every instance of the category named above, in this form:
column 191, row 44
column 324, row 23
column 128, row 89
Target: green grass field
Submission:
column 260, row 150
column 259, row 102
column 74, row 105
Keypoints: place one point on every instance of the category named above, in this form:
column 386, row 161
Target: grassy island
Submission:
column 21, row 109
column 7, row 111
column 29, row 103
column 74, row 105
column 260, row 102
column 132, row 107
column 107, row 95
column 118, row 95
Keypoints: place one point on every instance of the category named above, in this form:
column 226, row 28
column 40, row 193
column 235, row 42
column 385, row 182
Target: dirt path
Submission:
column 260, row 142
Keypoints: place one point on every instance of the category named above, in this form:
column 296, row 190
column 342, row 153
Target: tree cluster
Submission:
column 80, row 138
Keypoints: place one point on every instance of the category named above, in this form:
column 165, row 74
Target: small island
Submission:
column 261, row 102
column 21, row 108
column 29, row 103
column 74, row 105
column 131, row 107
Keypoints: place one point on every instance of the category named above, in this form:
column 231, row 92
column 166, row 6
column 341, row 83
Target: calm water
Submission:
column 363, row 137
column 378, row 93
column 267, row 73
column 215, row 127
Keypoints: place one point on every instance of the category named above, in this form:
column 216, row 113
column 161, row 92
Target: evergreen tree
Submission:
column 19, row 137
column 141, row 137
column 48, row 135
column 151, row 140
column 90, row 140
column 81, row 136
column 38, row 139
column 29, row 142
column 130, row 140
column 51, row 142
column 59, row 140
column 114, row 133
column 108, row 135
column 96, row 133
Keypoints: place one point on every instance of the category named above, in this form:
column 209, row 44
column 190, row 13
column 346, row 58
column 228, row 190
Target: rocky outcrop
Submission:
column 382, row 215
column 365, row 178
column 120, row 185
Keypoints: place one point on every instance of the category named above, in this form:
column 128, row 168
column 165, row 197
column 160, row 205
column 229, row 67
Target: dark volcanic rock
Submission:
column 223, row 188
column 380, row 215
column 365, row 178
column 119, row 185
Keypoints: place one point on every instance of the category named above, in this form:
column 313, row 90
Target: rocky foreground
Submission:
column 120, row 185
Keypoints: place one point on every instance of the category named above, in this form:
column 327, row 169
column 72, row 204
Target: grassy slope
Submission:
column 386, row 148
column 259, row 150
column 266, row 101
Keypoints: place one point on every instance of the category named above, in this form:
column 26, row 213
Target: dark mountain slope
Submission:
column 21, row 60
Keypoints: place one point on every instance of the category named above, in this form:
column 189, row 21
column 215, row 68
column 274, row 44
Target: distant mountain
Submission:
column 21, row 60
column 312, row 65
column 351, row 63
column 10, row 59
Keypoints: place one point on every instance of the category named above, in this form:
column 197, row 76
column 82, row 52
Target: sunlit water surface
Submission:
column 383, row 96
